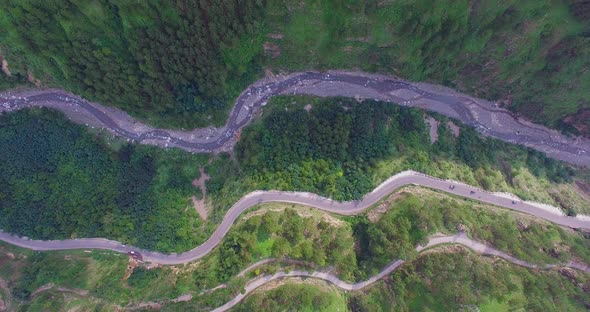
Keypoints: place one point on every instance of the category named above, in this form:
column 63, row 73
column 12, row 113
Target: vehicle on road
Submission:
column 135, row 255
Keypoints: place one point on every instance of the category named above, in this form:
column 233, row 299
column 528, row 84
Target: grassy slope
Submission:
column 296, row 296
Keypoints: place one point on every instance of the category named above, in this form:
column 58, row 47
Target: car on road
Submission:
column 135, row 255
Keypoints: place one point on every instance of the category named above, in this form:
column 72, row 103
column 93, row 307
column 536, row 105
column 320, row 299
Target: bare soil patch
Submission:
column 444, row 249
column 200, row 204
column 271, row 49
column 277, row 36
column 4, row 65
column 359, row 39
column 130, row 267
column 295, row 280
column 3, row 305
column 33, row 80
column 433, row 123
column 375, row 214
column 583, row 186
column 454, row 128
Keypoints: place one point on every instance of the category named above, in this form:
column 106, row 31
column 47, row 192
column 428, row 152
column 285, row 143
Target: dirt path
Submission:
column 433, row 125
column 199, row 204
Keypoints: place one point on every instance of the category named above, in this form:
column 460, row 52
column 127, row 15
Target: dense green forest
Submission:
column 60, row 181
column 160, row 60
column 181, row 63
column 67, row 182
column 343, row 149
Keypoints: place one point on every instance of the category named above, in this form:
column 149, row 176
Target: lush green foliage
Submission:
column 179, row 62
column 68, row 183
column 461, row 280
column 295, row 297
column 525, row 52
column 159, row 60
column 44, row 268
column 414, row 217
column 281, row 234
column 258, row 235
column 329, row 150
column 336, row 149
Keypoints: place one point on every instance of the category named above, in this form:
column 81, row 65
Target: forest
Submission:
column 336, row 149
column 162, row 61
column 181, row 64
column 69, row 183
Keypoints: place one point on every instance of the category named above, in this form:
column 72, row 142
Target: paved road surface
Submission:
column 460, row 238
column 481, row 114
column 322, row 203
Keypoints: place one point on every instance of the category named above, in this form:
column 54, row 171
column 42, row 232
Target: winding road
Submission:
column 345, row 208
column 460, row 239
column 485, row 116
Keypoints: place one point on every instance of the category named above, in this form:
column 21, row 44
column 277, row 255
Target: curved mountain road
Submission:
column 485, row 116
column 313, row 200
column 460, row 238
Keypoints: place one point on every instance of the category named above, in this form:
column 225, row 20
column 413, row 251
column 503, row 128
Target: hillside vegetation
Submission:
column 455, row 280
column 182, row 63
column 308, row 239
column 66, row 182
column 60, row 181
column 343, row 149
column 159, row 60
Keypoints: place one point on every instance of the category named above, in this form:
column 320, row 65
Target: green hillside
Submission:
column 181, row 63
